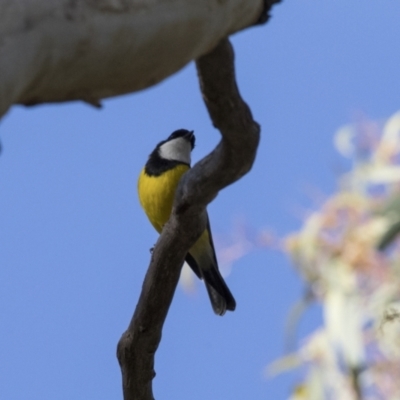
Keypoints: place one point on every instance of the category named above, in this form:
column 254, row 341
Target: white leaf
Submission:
column 383, row 174
column 343, row 317
column 343, row 140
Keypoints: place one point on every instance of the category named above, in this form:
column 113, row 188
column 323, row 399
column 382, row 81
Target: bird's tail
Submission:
column 220, row 296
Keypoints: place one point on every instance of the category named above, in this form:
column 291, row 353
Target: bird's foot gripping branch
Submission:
column 228, row 162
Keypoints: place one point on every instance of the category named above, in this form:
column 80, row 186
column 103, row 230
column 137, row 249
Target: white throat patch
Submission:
column 178, row 149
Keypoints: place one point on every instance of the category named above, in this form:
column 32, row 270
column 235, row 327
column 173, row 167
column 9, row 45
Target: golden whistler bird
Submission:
column 156, row 186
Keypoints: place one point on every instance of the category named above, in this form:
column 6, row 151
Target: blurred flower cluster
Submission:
column 348, row 253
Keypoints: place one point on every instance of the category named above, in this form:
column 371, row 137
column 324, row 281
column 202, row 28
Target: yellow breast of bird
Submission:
column 156, row 194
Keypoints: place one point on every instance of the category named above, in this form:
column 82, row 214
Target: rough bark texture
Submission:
column 60, row 50
column 230, row 160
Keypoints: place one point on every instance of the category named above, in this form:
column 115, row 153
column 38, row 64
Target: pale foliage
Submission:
column 348, row 256
column 341, row 254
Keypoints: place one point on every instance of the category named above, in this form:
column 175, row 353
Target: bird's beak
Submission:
column 190, row 136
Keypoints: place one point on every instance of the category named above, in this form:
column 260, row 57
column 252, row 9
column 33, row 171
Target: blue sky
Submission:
column 75, row 243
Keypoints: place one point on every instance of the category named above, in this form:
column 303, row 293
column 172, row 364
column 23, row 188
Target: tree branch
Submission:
column 230, row 160
column 54, row 51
